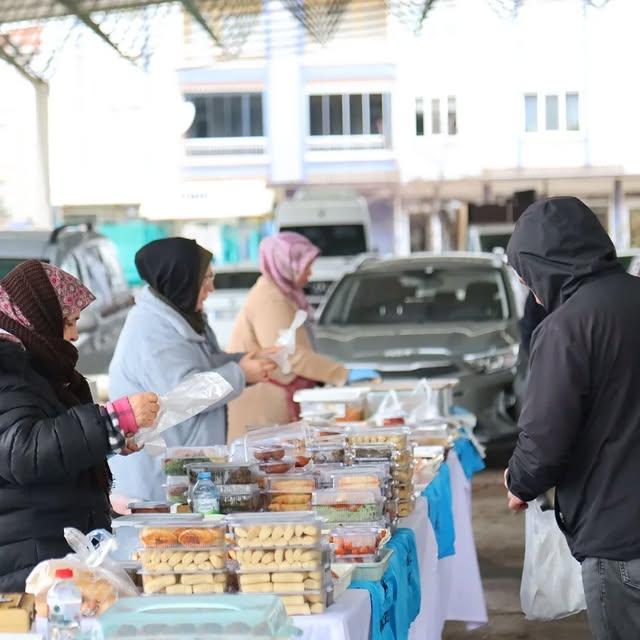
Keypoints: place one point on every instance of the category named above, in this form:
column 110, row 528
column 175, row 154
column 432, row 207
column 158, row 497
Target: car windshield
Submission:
column 431, row 294
column 333, row 241
column 489, row 242
column 7, row 264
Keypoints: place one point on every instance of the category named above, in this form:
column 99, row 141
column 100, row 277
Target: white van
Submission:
column 335, row 219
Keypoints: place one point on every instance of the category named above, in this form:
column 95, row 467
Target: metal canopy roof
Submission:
column 27, row 10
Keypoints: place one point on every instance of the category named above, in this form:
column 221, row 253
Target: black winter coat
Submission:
column 46, row 451
column 580, row 425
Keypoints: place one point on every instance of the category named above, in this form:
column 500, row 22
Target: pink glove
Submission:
column 126, row 420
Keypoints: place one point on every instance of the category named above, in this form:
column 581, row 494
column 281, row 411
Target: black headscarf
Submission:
column 175, row 269
column 558, row 245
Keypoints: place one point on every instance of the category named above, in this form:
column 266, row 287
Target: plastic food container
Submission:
column 280, row 558
column 181, row 561
column 268, row 530
column 403, row 492
column 344, row 403
column 342, row 575
column 177, row 489
column 371, row 571
column 127, row 530
column 175, row 583
column 193, row 534
column 281, row 465
column 304, row 604
column 176, row 459
column 205, row 617
column 369, row 453
column 327, row 453
column 245, row 498
column 290, row 581
column 138, row 508
column 338, row 507
column 399, row 438
column 402, row 474
column 357, row 541
column 223, row 473
column 361, row 477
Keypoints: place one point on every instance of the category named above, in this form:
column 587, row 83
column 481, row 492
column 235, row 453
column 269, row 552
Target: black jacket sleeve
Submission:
column 553, row 411
column 35, row 448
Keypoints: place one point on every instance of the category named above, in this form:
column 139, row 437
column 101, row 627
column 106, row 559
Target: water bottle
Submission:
column 64, row 602
column 206, row 498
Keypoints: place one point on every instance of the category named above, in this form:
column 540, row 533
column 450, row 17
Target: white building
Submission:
column 474, row 108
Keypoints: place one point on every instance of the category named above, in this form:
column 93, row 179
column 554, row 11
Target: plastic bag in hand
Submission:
column 551, row 577
column 192, row 396
column 100, row 579
column 287, row 342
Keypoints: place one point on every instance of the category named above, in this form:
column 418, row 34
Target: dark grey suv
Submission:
column 92, row 258
column 451, row 315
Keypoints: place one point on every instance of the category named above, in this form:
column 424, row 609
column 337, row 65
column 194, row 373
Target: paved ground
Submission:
column 500, row 541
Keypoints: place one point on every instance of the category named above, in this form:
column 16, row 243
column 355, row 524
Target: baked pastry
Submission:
column 199, row 537
column 157, row 537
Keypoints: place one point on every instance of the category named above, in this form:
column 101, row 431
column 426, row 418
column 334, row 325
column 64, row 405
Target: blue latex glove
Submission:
column 358, row 375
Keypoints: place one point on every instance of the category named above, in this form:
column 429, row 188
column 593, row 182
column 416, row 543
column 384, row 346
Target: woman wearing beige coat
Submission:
column 285, row 262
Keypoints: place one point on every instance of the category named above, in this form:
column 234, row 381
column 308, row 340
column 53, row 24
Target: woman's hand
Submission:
column 145, row 407
column 255, row 368
column 130, row 447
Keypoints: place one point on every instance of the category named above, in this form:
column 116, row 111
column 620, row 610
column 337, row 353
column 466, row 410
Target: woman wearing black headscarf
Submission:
column 166, row 339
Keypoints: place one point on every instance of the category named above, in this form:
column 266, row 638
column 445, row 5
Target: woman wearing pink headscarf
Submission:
column 286, row 262
column 54, row 441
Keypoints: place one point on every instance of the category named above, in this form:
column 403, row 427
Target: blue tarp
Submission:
column 439, row 497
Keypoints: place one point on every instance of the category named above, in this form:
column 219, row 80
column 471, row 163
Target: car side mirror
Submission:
column 88, row 321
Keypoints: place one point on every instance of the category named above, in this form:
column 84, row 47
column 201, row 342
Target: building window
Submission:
column 531, row 112
column 226, row 115
column 452, row 121
column 347, row 115
column 552, row 117
column 572, row 103
column 419, row 117
column 435, row 116
column 561, row 112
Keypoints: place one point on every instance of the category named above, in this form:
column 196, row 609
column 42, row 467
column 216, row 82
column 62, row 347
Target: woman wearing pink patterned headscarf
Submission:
column 54, row 441
column 286, row 262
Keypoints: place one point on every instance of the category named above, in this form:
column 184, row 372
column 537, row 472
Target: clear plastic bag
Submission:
column 100, row 579
column 419, row 404
column 390, row 411
column 287, row 342
column 192, row 396
column 551, row 577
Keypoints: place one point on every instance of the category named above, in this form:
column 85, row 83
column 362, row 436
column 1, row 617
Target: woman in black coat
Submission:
column 54, row 441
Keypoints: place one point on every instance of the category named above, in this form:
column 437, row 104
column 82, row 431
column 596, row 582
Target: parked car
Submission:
column 232, row 284
column 91, row 258
column 426, row 316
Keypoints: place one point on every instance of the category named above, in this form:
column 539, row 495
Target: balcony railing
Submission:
column 207, row 147
column 346, row 143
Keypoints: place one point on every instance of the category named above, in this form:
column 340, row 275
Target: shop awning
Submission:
column 213, row 200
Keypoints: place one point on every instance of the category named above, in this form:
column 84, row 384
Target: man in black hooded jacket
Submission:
column 580, row 425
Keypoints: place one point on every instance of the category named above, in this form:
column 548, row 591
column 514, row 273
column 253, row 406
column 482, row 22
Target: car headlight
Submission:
column 493, row 361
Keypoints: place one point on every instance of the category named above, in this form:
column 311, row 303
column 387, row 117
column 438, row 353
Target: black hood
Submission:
column 557, row 245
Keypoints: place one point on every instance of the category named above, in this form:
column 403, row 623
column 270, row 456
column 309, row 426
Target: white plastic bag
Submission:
column 419, row 404
column 191, row 397
column 551, row 577
column 100, row 579
column 287, row 342
column 390, row 411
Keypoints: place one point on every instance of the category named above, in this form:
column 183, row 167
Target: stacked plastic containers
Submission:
column 282, row 554
column 387, row 445
column 183, row 558
column 176, row 461
column 237, row 484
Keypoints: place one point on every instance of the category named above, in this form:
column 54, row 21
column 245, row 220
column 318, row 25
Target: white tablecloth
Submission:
column 348, row 619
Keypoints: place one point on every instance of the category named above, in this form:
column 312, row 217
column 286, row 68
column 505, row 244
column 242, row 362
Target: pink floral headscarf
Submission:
column 283, row 258
column 72, row 295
